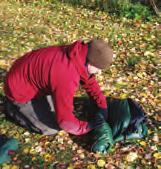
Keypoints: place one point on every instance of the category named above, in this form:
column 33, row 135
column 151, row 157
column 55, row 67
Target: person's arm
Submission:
column 93, row 90
column 63, row 104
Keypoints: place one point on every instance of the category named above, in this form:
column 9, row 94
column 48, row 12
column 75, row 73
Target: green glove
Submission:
column 10, row 144
column 101, row 138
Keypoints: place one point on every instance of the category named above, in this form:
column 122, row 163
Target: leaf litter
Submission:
column 135, row 73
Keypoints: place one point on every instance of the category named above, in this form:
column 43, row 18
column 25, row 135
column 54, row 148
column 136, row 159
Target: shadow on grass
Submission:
column 92, row 6
column 2, row 75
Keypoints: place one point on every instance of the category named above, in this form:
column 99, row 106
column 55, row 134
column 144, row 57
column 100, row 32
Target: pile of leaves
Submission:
column 135, row 73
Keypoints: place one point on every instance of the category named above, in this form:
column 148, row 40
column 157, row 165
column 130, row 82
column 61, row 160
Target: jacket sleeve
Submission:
column 63, row 104
column 93, row 90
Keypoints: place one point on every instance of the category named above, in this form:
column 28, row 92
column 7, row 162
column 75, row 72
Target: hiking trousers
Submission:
column 38, row 115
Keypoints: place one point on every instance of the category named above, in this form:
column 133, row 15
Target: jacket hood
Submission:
column 77, row 52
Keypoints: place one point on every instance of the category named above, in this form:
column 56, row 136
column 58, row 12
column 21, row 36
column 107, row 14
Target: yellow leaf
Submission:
column 47, row 157
column 33, row 158
column 32, row 151
column 6, row 166
column 150, row 131
column 157, row 155
column 158, row 166
column 91, row 166
column 25, row 150
column 123, row 95
column 143, row 94
column 140, row 75
column 101, row 163
column 148, row 53
column 143, row 143
column 62, row 133
column 70, row 167
column 3, row 63
column 131, row 156
column 121, row 83
column 82, row 156
column 155, row 138
column 47, row 143
column 14, row 167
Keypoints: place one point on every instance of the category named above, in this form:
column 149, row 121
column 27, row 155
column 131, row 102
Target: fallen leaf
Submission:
column 91, row 166
column 157, row 155
column 101, row 163
column 132, row 156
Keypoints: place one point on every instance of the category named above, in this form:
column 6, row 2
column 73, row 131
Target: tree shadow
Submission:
column 94, row 6
column 3, row 73
column 107, row 6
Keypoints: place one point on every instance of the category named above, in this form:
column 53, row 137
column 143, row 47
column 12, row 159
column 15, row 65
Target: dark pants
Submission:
column 36, row 115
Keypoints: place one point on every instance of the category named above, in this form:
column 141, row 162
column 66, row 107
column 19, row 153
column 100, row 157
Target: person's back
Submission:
column 39, row 72
column 30, row 74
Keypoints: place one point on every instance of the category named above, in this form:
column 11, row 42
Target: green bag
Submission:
column 5, row 146
column 126, row 119
column 118, row 116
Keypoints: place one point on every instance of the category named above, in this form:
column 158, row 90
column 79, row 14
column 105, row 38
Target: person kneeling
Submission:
column 45, row 80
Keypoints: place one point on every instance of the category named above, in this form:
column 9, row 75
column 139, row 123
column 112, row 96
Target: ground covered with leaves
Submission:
column 135, row 73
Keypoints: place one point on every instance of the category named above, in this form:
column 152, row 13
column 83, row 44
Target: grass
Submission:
column 27, row 25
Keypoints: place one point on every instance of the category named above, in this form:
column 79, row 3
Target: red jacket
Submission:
column 55, row 70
